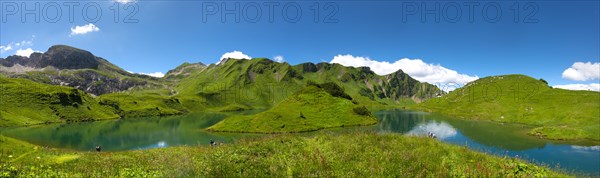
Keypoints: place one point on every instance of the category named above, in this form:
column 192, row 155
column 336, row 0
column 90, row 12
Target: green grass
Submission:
column 143, row 103
column 312, row 108
column 235, row 107
column 24, row 102
column 323, row 155
column 554, row 113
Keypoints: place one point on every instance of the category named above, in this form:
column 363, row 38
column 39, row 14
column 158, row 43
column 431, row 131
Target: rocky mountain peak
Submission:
column 58, row 56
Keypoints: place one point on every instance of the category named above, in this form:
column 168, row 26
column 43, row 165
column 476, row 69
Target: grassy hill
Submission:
column 261, row 83
column 315, row 107
column 321, row 155
column 143, row 103
column 241, row 84
column 24, row 102
column 555, row 113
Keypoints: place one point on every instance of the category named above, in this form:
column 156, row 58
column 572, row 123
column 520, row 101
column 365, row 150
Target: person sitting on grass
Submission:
column 213, row 143
column 431, row 135
column 98, row 148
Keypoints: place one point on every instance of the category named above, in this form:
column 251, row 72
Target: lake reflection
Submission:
column 127, row 134
column 500, row 139
column 441, row 130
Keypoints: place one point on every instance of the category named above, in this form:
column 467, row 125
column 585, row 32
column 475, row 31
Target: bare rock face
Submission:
column 69, row 66
column 59, row 57
column 309, row 67
column 95, row 83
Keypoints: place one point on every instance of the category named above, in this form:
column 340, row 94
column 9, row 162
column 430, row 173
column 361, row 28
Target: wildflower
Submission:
column 38, row 157
column 10, row 156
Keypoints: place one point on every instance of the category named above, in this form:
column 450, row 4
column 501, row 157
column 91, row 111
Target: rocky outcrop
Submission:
column 68, row 66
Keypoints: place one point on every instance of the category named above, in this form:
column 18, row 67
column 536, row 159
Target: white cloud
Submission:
column 25, row 52
column 589, row 87
column 125, row 1
column 80, row 30
column 416, row 68
column 155, row 74
column 5, row 48
column 25, row 43
column 279, row 59
column 581, row 71
column 234, row 55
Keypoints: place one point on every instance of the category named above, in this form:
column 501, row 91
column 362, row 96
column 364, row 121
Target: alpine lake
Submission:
column 189, row 129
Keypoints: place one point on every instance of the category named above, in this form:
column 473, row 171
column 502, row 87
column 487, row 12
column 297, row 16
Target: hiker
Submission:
column 98, row 148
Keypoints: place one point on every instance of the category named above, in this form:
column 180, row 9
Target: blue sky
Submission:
column 546, row 39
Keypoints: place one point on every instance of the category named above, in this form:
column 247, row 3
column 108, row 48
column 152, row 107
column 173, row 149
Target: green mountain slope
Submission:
column 261, row 83
column 312, row 108
column 143, row 103
column 364, row 85
column 555, row 113
column 24, row 102
column 257, row 84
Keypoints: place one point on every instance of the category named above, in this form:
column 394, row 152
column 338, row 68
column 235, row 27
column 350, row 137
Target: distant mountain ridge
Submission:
column 59, row 57
column 69, row 66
